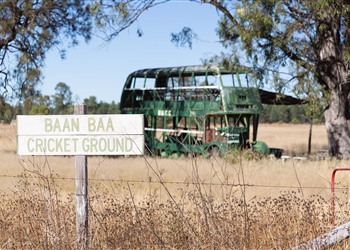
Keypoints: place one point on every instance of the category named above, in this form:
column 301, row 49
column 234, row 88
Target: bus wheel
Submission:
column 214, row 152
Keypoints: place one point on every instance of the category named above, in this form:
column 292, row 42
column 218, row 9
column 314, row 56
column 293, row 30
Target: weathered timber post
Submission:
column 81, row 180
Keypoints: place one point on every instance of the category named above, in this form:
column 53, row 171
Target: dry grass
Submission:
column 293, row 138
column 153, row 203
column 196, row 214
column 8, row 139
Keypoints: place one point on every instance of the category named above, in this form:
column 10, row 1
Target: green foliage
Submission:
column 34, row 103
column 94, row 107
column 295, row 44
column 114, row 108
column 28, row 30
column 39, row 110
column 295, row 121
column 295, row 114
column 62, row 99
column 91, row 105
column 27, row 106
column 7, row 112
column 112, row 17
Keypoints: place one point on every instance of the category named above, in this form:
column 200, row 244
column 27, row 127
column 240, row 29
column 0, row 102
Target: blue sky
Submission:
column 95, row 69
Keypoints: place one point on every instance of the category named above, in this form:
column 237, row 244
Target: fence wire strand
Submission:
column 177, row 182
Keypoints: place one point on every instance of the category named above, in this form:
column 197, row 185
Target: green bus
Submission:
column 195, row 109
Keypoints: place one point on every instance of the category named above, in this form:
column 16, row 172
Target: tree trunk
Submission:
column 337, row 116
column 333, row 76
column 310, row 136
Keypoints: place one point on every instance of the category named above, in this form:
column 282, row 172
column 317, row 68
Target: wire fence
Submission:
column 203, row 183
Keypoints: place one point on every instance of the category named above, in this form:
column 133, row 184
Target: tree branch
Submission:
column 226, row 13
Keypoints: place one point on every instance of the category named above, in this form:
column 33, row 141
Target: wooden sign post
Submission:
column 80, row 135
column 81, row 193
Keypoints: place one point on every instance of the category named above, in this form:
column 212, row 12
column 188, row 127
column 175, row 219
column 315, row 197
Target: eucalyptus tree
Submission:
column 28, row 30
column 307, row 39
column 62, row 99
column 31, row 28
column 311, row 37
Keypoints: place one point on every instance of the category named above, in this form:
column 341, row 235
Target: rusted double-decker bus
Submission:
column 195, row 109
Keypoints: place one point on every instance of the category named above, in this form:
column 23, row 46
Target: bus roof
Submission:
column 206, row 69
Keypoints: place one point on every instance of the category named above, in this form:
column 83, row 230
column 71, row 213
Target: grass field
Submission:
column 292, row 138
column 154, row 203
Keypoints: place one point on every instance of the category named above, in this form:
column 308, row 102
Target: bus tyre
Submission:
column 214, row 152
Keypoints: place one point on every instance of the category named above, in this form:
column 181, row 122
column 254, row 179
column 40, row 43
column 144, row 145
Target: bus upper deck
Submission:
column 191, row 87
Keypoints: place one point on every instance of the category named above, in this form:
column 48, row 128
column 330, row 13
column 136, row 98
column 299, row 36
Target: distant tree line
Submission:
column 294, row 114
column 34, row 103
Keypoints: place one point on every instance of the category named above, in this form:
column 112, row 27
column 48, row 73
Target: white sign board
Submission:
column 80, row 135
